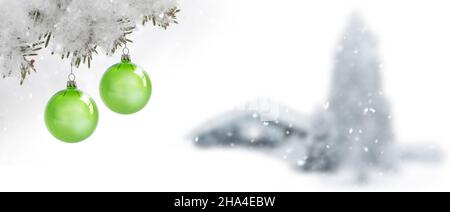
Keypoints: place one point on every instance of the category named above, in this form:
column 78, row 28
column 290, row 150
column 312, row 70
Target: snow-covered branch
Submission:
column 74, row 30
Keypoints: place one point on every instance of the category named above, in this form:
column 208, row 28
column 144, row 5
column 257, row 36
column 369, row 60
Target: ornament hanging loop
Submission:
column 126, row 54
column 71, row 83
column 126, row 51
column 72, row 77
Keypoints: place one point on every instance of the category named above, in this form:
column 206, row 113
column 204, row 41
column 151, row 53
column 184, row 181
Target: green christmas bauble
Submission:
column 125, row 88
column 71, row 115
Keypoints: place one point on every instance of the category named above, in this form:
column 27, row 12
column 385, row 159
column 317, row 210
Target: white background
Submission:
column 224, row 53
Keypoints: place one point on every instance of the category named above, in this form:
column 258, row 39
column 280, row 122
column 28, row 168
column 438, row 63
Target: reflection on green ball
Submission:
column 71, row 116
column 125, row 88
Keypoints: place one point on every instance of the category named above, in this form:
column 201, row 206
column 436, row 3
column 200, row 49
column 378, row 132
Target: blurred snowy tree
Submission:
column 75, row 30
column 360, row 111
column 322, row 152
column 353, row 130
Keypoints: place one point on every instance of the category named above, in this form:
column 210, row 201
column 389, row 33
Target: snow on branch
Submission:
column 74, row 30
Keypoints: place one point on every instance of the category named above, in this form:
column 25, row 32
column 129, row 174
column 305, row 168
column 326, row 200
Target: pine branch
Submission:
column 168, row 18
column 29, row 52
column 78, row 56
column 127, row 27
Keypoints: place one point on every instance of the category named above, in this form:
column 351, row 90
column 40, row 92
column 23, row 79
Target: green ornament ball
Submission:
column 71, row 115
column 125, row 88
